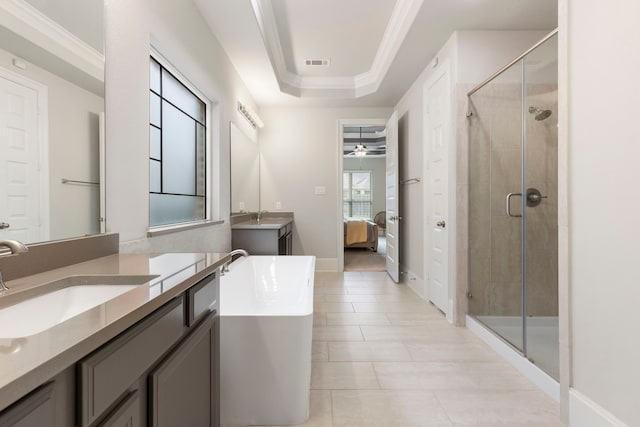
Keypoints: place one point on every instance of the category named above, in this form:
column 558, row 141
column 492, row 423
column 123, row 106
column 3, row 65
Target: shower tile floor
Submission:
column 383, row 357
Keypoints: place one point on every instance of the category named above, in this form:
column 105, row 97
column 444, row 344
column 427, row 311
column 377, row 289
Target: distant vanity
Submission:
column 272, row 234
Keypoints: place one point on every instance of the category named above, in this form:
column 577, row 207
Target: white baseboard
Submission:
column 413, row 281
column 584, row 412
column 528, row 369
column 326, row 264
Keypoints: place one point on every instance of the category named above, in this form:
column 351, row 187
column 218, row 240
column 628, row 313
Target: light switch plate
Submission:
column 320, row 191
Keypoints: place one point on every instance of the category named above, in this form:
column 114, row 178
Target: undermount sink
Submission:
column 37, row 309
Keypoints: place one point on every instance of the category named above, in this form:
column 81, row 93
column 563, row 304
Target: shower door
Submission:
column 541, row 200
column 495, row 207
column 513, row 286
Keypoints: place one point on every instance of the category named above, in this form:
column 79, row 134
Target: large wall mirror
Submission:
column 245, row 172
column 51, row 119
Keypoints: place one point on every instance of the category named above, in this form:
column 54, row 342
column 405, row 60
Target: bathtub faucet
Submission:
column 225, row 266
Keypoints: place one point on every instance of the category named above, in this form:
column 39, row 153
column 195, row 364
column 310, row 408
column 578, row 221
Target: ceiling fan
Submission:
column 361, row 150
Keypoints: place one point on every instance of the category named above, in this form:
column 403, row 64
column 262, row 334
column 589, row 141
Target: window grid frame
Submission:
column 163, row 68
column 350, row 200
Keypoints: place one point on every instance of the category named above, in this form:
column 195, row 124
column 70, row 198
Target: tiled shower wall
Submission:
column 493, row 137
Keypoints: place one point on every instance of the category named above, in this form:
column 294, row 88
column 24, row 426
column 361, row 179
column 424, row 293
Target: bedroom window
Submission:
column 177, row 150
column 357, row 199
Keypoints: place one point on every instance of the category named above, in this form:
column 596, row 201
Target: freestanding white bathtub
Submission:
column 266, row 321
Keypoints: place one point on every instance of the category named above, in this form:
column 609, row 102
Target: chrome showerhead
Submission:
column 539, row 114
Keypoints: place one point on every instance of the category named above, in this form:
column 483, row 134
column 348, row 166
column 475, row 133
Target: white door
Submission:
column 437, row 135
column 19, row 158
column 393, row 218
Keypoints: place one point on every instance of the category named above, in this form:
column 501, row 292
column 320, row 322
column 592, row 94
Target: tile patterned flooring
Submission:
column 383, row 357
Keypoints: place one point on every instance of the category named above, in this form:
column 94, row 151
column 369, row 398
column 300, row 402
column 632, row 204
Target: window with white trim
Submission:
column 177, row 150
column 357, row 197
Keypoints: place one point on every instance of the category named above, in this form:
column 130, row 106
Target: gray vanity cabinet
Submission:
column 263, row 240
column 51, row 405
column 108, row 374
column 37, row 409
column 162, row 371
column 184, row 385
column 127, row 414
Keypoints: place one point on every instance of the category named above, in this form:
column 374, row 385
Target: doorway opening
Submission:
column 363, row 192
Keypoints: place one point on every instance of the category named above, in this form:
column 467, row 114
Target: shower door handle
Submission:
column 508, row 205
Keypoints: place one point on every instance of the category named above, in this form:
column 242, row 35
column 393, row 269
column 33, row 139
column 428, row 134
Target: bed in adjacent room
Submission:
column 360, row 233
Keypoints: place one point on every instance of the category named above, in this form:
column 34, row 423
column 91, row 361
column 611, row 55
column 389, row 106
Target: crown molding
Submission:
column 34, row 26
column 402, row 17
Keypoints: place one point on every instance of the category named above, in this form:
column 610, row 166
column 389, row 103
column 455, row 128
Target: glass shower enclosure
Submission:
column 513, row 231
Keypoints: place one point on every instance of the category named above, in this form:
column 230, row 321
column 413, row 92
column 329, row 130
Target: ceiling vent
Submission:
column 317, row 62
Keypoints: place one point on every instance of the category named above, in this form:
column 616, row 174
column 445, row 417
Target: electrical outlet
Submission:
column 241, row 206
column 278, row 205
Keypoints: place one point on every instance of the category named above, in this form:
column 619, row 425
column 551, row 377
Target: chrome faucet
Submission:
column 259, row 215
column 15, row 247
column 225, row 266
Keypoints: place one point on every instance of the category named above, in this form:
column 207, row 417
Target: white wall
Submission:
column 178, row 31
column 604, row 207
column 300, row 149
column 482, row 53
column 378, row 168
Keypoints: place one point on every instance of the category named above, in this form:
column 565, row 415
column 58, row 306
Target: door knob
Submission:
column 534, row 197
column 441, row 224
column 4, row 225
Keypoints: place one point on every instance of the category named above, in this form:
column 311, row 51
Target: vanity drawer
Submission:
column 107, row 374
column 202, row 298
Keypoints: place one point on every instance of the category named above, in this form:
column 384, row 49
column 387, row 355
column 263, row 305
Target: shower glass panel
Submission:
column 513, row 285
column 495, row 208
column 541, row 223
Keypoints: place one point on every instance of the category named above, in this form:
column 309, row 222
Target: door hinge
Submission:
column 469, row 295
